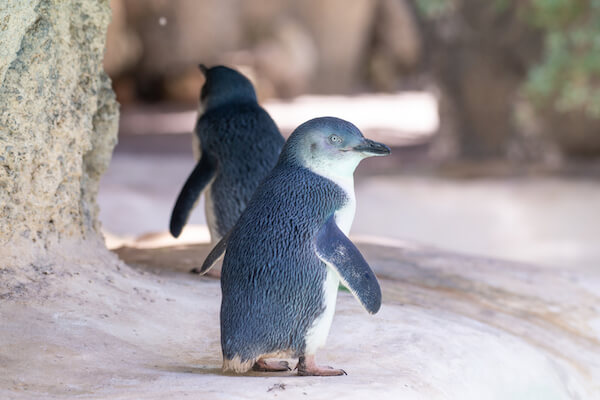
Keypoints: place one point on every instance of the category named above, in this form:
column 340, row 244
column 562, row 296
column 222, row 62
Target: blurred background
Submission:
column 492, row 109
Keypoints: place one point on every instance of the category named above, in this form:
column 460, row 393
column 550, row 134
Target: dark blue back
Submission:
column 272, row 280
column 246, row 144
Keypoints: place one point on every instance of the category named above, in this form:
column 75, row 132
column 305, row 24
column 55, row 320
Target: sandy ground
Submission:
column 451, row 327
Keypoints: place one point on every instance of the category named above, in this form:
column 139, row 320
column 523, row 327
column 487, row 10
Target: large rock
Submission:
column 58, row 126
column 177, row 35
column 291, row 47
column 341, row 30
column 397, row 45
column 123, row 45
column 450, row 327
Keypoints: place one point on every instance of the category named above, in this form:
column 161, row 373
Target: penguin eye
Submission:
column 335, row 139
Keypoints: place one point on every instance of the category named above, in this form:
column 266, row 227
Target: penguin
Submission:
column 289, row 250
column 236, row 144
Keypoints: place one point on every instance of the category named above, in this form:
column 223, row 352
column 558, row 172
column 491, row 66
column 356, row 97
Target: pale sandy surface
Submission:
column 450, row 327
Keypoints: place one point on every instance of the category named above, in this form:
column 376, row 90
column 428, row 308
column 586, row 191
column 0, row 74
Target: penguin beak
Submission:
column 372, row 148
column 203, row 69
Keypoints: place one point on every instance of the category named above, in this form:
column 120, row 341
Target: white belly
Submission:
column 209, row 212
column 318, row 332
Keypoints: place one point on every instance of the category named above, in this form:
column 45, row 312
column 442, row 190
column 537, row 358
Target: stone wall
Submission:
column 58, row 120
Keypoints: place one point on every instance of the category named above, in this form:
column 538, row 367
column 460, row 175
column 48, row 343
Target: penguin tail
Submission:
column 215, row 255
column 188, row 197
column 237, row 365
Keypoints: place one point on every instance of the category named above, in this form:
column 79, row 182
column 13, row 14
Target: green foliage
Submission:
column 568, row 75
column 434, row 8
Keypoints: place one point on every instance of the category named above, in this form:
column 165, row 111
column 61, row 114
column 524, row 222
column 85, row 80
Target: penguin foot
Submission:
column 308, row 367
column 271, row 366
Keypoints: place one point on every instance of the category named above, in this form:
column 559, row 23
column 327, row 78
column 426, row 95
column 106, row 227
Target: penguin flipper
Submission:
column 338, row 252
column 215, row 254
column 203, row 172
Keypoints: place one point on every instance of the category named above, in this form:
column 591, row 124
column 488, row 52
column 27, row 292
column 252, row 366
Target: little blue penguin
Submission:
column 288, row 252
column 238, row 146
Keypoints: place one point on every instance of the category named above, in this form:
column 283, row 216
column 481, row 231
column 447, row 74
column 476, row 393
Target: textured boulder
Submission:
column 58, row 125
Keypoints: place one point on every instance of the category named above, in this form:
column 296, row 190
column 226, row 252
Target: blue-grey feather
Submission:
column 339, row 252
column 246, row 142
column 240, row 137
column 272, row 279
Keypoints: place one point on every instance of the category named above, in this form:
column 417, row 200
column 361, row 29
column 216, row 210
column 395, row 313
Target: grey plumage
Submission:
column 278, row 254
column 272, row 280
column 239, row 145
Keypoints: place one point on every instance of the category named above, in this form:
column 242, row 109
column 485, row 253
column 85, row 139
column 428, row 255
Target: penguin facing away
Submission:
column 237, row 144
column 289, row 250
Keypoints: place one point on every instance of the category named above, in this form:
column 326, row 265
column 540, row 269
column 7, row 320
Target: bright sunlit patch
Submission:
column 192, row 234
column 395, row 119
column 402, row 117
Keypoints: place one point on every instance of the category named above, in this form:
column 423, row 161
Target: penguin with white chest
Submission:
column 289, row 250
column 238, row 144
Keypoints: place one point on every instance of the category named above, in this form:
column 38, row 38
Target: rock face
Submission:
column 58, row 120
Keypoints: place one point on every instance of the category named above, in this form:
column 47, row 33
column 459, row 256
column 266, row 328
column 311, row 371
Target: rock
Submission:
column 292, row 47
column 185, row 87
column 123, row 45
column 341, row 30
column 286, row 59
column 58, row 127
column 58, row 120
column 179, row 34
column 397, row 44
column 451, row 326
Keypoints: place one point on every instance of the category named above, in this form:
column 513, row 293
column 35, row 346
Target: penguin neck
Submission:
column 342, row 174
column 228, row 99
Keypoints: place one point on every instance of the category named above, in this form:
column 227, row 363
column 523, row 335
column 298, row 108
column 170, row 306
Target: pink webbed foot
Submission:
column 308, row 367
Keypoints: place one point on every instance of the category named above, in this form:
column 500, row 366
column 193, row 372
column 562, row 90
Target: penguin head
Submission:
column 330, row 147
column 224, row 86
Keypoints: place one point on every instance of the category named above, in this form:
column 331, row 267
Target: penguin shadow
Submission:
column 166, row 260
column 211, row 370
column 191, row 369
